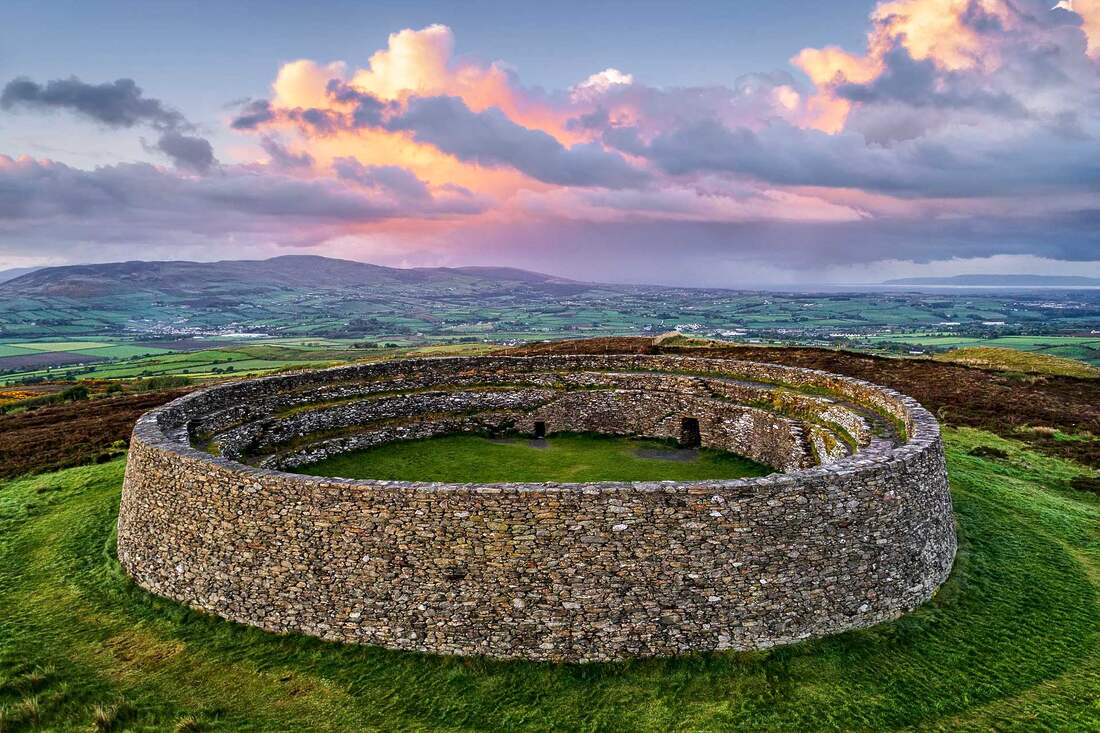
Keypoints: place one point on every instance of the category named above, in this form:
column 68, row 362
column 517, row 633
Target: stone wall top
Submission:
column 162, row 427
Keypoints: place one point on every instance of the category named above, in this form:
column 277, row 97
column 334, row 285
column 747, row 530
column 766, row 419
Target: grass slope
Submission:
column 567, row 458
column 988, row 357
column 1011, row 642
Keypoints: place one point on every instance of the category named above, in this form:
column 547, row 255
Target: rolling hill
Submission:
column 288, row 272
column 299, row 294
column 15, row 272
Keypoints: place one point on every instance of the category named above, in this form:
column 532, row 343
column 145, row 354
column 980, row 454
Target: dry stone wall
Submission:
column 856, row 529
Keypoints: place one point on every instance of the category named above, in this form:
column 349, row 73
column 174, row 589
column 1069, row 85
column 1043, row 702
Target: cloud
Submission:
column 283, row 158
column 961, row 128
column 187, row 152
column 120, row 103
column 414, row 61
column 751, row 99
column 489, row 138
column 711, row 200
column 959, row 162
column 387, row 177
column 117, row 104
column 254, row 114
column 1003, row 104
column 973, row 53
column 755, row 252
column 905, row 80
column 367, row 110
column 52, row 206
column 601, row 82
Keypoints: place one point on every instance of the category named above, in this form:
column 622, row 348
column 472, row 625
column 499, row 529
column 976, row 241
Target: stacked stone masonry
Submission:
column 854, row 529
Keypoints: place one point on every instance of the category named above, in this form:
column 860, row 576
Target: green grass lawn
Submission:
column 568, row 458
column 1011, row 642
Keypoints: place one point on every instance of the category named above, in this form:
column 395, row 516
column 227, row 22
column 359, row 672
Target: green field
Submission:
column 122, row 351
column 320, row 323
column 1081, row 348
column 565, row 458
column 59, row 345
column 1012, row 641
column 128, row 361
column 1026, row 343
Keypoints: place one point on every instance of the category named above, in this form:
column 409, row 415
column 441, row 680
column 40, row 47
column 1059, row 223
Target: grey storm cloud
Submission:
column 320, row 121
column 958, row 163
column 36, row 191
column 283, row 158
column 60, row 212
column 254, row 114
column 118, row 104
column 920, row 84
column 714, row 253
column 490, row 138
column 187, row 152
column 369, row 110
column 396, row 179
column 81, row 201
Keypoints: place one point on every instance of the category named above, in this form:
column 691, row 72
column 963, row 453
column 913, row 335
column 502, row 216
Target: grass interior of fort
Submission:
column 575, row 458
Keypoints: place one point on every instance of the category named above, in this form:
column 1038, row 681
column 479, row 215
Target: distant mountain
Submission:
column 243, row 277
column 15, row 272
column 1001, row 281
column 511, row 273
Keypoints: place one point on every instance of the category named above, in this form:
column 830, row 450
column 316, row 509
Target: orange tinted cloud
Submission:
column 937, row 30
column 952, row 38
column 825, row 66
column 941, row 31
column 303, row 84
column 422, row 62
column 1089, row 10
column 416, row 63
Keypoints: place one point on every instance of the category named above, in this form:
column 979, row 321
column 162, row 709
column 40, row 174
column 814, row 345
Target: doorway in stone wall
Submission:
column 689, row 433
column 540, row 429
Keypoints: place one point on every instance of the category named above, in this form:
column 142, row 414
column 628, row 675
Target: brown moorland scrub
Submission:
column 72, row 433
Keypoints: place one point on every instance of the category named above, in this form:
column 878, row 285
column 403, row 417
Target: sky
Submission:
column 705, row 143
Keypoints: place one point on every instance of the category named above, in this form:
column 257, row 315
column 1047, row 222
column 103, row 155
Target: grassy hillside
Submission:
column 1012, row 641
column 1026, row 362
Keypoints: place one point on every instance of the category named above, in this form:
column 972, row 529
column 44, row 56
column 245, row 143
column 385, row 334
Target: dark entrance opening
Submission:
column 540, row 429
column 689, row 433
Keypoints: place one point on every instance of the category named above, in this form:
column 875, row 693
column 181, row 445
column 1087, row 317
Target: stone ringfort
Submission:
column 853, row 529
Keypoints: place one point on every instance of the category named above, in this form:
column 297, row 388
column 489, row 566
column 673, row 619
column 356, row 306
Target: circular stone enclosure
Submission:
column 854, row 528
